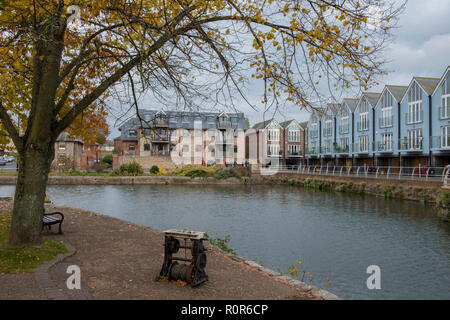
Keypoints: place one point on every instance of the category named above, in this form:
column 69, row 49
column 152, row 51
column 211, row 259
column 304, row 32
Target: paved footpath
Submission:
column 120, row 260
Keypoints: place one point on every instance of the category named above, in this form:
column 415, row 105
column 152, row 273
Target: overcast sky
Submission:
column 421, row 48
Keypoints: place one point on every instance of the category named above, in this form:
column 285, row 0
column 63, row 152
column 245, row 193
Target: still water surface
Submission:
column 335, row 235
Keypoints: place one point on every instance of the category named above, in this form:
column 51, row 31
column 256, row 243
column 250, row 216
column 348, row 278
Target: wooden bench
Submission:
column 49, row 220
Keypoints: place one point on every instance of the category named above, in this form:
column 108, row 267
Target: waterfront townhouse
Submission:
column 314, row 136
column 328, row 137
column 387, row 126
column 294, row 142
column 273, row 143
column 364, row 134
column 440, row 122
column 345, row 132
column 263, row 143
column 184, row 137
column 415, row 124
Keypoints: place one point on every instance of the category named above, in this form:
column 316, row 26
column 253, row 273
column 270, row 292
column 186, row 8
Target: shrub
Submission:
column 194, row 171
column 154, row 170
column 223, row 173
column 107, row 159
column 131, row 169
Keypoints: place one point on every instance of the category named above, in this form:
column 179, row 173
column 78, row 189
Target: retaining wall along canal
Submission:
column 430, row 192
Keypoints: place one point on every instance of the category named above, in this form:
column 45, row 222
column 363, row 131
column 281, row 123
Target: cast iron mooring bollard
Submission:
column 193, row 273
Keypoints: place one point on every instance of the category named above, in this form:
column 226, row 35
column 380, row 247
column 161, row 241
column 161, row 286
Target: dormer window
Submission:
column 132, row 133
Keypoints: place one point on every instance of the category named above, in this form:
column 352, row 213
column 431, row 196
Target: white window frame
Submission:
column 445, row 137
column 445, row 99
column 386, row 110
column 415, row 139
column 387, row 141
column 273, row 149
column 363, row 143
column 294, row 135
column 273, row 135
column 344, row 125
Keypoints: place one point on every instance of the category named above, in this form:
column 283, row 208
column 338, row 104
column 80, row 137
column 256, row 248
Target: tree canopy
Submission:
column 200, row 50
column 60, row 60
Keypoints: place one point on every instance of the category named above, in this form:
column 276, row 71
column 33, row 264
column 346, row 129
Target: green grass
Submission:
column 22, row 259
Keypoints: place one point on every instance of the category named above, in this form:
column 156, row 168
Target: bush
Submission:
column 107, row 159
column 131, row 169
column 154, row 170
column 195, row 171
column 223, row 173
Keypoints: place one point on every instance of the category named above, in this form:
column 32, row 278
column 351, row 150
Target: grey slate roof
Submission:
column 372, row 97
column 397, row 91
column 351, row 103
column 334, row 108
column 64, row 137
column 180, row 120
column 285, row 124
column 262, row 125
column 428, row 84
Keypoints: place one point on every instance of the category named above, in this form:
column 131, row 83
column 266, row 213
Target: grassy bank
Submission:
column 24, row 258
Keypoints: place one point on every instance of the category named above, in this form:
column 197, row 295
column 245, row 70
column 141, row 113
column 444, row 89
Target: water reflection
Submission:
column 336, row 235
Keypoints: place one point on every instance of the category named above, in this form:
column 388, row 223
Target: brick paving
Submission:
column 120, row 260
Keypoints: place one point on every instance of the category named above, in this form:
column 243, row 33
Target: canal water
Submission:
column 336, row 236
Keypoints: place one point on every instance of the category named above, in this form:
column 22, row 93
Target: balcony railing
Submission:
column 161, row 122
column 384, row 147
column 386, row 122
column 357, row 148
column 411, row 145
column 312, row 151
column 294, row 154
column 414, row 117
column 223, row 124
column 273, row 154
column 326, row 150
column 160, row 138
column 346, row 149
column 440, row 143
column 444, row 112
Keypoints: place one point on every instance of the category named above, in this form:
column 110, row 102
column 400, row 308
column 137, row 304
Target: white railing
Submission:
column 418, row 173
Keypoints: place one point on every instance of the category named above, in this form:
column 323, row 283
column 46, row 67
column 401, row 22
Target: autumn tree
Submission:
column 60, row 59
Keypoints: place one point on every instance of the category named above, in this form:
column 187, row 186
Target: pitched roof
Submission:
column 287, row 123
column 351, row 103
column 262, row 125
column 372, row 97
column 304, row 124
column 334, row 107
column 64, row 137
column 427, row 84
column 397, row 91
column 446, row 72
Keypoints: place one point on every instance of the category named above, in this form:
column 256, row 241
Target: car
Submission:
column 2, row 162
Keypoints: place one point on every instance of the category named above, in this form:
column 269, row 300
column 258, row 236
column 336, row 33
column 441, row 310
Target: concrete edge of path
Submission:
column 313, row 290
column 42, row 276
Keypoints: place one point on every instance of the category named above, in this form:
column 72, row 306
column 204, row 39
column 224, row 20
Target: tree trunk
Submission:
column 34, row 166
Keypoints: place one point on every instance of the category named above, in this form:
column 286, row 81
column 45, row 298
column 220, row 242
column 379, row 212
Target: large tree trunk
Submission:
column 34, row 166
